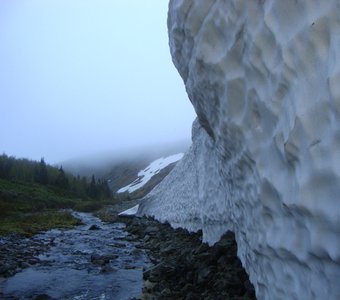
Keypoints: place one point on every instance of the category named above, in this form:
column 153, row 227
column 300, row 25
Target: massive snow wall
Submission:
column 264, row 79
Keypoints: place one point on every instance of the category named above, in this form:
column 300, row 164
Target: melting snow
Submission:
column 145, row 175
column 129, row 212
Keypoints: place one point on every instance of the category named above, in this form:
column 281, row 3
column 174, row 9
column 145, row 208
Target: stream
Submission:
column 103, row 263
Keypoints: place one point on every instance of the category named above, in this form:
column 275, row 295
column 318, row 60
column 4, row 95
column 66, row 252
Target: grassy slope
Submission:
column 29, row 208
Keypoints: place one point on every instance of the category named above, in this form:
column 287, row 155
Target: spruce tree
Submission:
column 43, row 172
column 62, row 181
column 93, row 191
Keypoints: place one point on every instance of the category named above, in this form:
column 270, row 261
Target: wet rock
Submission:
column 151, row 230
column 24, row 264
column 204, row 274
column 118, row 245
column 5, row 268
column 148, row 286
column 190, row 296
column 102, row 259
column 42, row 297
column 186, row 268
column 107, row 269
column 94, row 227
column 147, row 238
column 33, row 261
column 166, row 292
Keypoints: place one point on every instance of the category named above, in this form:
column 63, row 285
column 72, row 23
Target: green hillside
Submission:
column 33, row 196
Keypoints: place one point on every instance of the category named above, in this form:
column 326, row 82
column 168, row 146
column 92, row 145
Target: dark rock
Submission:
column 187, row 288
column 118, row 245
column 191, row 296
column 146, row 238
column 94, row 227
column 107, row 269
column 204, row 274
column 166, row 292
column 5, row 268
column 202, row 249
column 33, row 261
column 42, row 297
column 151, row 230
column 24, row 264
column 101, row 260
column 249, row 286
column 186, row 268
column 169, row 249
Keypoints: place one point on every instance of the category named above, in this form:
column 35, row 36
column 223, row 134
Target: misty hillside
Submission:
column 121, row 170
column 133, row 183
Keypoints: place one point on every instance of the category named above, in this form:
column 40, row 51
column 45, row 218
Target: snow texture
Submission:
column 130, row 212
column 145, row 175
column 264, row 79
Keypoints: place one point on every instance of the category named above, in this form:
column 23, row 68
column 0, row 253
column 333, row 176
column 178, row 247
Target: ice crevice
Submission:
column 263, row 77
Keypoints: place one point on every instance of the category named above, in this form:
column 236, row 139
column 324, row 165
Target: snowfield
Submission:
column 129, row 212
column 145, row 175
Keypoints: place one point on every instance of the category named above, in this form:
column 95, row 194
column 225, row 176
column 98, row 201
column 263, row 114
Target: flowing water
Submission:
column 82, row 264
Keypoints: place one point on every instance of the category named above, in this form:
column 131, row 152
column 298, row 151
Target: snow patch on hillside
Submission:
column 129, row 212
column 152, row 169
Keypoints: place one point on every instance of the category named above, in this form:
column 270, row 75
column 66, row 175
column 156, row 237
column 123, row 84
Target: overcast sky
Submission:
column 82, row 77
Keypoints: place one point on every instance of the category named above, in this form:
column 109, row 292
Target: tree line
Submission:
column 30, row 171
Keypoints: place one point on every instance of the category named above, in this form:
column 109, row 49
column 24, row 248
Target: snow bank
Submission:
column 129, row 212
column 145, row 175
column 264, row 78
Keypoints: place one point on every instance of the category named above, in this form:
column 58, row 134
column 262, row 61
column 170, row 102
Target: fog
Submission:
column 84, row 77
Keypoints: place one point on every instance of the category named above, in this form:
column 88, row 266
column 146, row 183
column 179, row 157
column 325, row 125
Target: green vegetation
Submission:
column 29, row 224
column 33, row 193
column 28, row 171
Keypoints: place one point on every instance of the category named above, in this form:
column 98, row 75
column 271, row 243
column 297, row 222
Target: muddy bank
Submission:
column 184, row 268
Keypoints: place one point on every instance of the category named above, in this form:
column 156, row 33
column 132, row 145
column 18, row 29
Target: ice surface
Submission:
column 145, row 175
column 264, row 78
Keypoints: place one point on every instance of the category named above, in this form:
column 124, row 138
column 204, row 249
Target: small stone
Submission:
column 42, row 297
column 94, row 227
column 190, row 296
column 118, row 245
column 146, row 238
column 107, row 269
column 204, row 274
column 165, row 292
column 24, row 265
column 151, row 230
column 187, row 288
column 33, row 261
column 101, row 259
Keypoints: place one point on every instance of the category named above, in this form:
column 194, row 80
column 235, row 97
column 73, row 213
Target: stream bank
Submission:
column 185, row 268
column 130, row 258
column 96, row 260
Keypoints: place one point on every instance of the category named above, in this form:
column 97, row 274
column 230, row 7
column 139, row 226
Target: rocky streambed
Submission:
column 130, row 258
column 96, row 260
